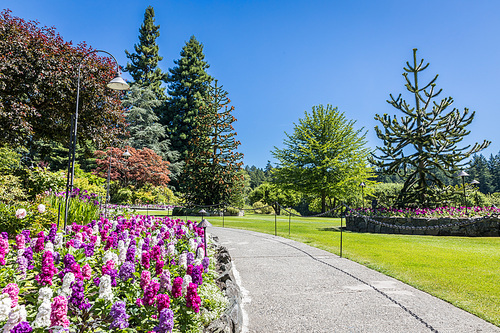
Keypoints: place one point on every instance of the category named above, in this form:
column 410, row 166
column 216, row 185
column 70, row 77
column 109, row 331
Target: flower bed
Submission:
column 454, row 212
column 142, row 274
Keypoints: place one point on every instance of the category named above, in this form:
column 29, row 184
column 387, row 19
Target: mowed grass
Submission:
column 464, row 271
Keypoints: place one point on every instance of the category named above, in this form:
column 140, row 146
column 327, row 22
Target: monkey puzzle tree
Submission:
column 425, row 138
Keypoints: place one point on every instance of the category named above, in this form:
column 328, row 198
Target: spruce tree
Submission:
column 423, row 142
column 213, row 165
column 144, row 128
column 144, row 62
column 188, row 88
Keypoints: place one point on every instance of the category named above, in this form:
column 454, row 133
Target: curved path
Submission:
column 292, row 287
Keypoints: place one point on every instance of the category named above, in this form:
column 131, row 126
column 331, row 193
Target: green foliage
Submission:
column 188, row 89
column 270, row 194
column 9, row 160
column 34, row 220
column 144, row 62
column 145, row 129
column 40, row 180
column 11, row 189
column 54, row 154
column 428, row 133
column 257, row 176
column 83, row 206
column 262, row 208
column 386, row 194
column 324, row 156
column 212, row 170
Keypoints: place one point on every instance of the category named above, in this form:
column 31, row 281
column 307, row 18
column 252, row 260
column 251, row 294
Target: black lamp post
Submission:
column 363, row 194
column 116, row 84
column 204, row 224
column 464, row 174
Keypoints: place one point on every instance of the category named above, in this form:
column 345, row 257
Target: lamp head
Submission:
column 204, row 223
column 118, row 83
column 126, row 154
column 463, row 174
column 474, row 182
column 362, row 184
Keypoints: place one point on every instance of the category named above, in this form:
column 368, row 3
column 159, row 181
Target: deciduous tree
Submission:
column 325, row 156
column 143, row 166
column 38, row 76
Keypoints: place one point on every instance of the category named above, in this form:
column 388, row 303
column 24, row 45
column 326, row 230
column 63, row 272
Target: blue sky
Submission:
column 277, row 59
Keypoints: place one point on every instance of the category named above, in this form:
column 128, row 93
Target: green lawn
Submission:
column 463, row 271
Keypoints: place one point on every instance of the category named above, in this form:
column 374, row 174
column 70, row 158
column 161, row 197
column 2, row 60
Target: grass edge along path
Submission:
column 464, row 271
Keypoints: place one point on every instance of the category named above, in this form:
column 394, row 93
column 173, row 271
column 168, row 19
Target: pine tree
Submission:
column 144, row 62
column 425, row 138
column 188, row 88
column 479, row 171
column 213, row 165
column 144, row 128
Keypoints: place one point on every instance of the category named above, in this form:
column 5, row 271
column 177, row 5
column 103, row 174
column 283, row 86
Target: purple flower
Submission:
column 131, row 252
column 28, row 253
column 205, row 262
column 69, row 260
column 196, row 275
column 126, row 271
column 190, row 258
column 77, row 299
column 52, row 232
column 26, row 234
column 150, row 293
column 166, row 321
column 22, row 327
column 120, row 317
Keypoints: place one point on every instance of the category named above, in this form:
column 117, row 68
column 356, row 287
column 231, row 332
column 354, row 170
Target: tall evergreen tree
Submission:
column 144, row 128
column 144, row 62
column 188, row 89
column 479, row 171
column 425, row 138
column 494, row 167
column 213, row 165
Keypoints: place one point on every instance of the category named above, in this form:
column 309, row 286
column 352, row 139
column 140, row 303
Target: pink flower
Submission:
column 59, row 313
column 41, row 208
column 86, row 272
column 145, row 279
column 21, row 213
column 192, row 299
column 13, row 291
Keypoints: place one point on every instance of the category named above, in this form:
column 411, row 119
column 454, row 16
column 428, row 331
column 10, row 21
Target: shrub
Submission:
column 33, row 219
column 262, row 208
column 40, row 180
column 11, row 189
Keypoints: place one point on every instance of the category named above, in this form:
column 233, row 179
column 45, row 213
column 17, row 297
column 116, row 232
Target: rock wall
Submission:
column 232, row 319
column 488, row 227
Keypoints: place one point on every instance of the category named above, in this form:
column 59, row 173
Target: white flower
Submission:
column 105, row 291
column 49, row 246
column 20, row 252
column 17, row 315
column 171, row 250
column 98, row 241
column 186, row 280
column 183, row 260
column 45, row 293
column 58, row 240
column 109, row 256
column 122, row 254
column 197, row 262
column 67, row 280
column 41, row 208
column 192, row 245
column 95, row 229
column 21, row 213
column 200, row 253
column 5, row 306
column 43, row 316
column 138, row 249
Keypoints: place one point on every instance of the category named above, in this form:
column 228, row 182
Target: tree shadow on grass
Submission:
column 336, row 229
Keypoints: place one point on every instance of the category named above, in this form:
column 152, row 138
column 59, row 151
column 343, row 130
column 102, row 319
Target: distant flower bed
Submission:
column 428, row 212
column 143, row 274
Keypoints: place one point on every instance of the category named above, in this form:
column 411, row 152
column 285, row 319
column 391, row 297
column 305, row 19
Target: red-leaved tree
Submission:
column 38, row 83
column 142, row 167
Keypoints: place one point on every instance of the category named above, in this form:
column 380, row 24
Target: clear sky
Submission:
column 277, row 59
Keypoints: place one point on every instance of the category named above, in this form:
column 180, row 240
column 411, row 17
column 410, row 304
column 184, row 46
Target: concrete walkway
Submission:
column 292, row 287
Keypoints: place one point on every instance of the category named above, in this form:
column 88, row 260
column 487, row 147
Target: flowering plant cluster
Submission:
column 454, row 212
column 142, row 274
column 83, row 206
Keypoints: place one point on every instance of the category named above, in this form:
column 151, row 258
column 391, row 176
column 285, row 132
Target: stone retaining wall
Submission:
column 489, row 227
column 232, row 319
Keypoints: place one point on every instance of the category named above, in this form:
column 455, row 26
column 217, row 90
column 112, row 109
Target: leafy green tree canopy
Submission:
column 325, row 156
column 425, row 138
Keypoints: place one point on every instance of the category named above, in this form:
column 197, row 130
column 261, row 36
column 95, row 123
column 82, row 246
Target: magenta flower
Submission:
column 192, row 299
column 145, row 279
column 13, row 291
column 48, row 269
column 177, row 287
column 59, row 312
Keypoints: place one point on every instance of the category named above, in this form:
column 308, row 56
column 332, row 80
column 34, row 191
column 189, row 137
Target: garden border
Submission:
column 486, row 226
